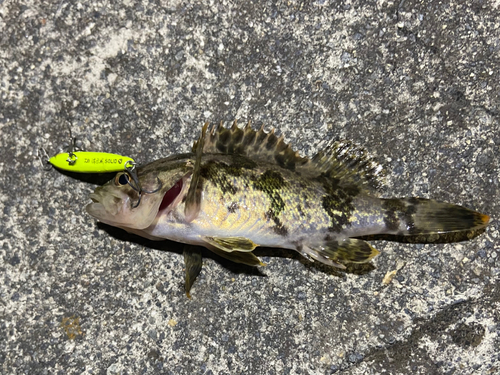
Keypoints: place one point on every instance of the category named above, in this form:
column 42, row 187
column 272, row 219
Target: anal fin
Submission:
column 334, row 253
column 312, row 254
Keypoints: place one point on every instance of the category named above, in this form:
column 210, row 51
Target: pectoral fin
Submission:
column 193, row 197
column 193, row 264
column 230, row 244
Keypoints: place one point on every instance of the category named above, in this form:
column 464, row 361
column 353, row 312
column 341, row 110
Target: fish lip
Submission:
column 95, row 197
column 95, row 209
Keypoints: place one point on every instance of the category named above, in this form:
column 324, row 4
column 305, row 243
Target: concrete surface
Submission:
column 417, row 83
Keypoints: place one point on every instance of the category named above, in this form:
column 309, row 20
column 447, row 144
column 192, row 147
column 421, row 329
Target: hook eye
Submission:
column 122, row 179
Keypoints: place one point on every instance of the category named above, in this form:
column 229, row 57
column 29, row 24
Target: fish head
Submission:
column 162, row 185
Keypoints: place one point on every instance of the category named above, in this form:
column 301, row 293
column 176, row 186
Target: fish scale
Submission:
column 281, row 216
column 240, row 188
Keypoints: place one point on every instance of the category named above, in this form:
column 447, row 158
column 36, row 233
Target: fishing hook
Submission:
column 72, row 147
column 44, row 158
column 130, row 168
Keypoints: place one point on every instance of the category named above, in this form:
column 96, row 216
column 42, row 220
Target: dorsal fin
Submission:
column 347, row 162
column 340, row 160
column 256, row 145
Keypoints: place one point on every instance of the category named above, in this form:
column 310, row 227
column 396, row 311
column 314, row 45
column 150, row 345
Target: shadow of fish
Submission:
column 240, row 188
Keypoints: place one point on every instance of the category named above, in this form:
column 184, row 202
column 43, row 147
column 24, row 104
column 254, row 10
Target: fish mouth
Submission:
column 94, row 197
column 96, row 208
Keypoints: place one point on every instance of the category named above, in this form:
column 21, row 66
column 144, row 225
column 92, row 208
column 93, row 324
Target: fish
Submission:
column 241, row 188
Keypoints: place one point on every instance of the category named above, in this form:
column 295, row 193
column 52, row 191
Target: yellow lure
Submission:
column 91, row 162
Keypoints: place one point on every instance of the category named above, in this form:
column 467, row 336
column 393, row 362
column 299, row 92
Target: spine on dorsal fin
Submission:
column 255, row 145
column 342, row 161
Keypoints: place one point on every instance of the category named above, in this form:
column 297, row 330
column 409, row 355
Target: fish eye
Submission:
column 121, row 179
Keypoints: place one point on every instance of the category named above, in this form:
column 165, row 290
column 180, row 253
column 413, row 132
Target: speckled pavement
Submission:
column 416, row 83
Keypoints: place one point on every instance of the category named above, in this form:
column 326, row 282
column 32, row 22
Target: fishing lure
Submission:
column 79, row 161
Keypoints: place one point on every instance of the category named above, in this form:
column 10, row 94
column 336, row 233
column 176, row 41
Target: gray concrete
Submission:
column 417, row 83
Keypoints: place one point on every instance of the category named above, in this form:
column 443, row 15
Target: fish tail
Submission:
column 416, row 216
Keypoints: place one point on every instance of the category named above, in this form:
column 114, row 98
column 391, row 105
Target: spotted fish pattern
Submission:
column 240, row 188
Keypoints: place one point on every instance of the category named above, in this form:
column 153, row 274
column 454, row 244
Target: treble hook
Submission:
column 130, row 168
column 72, row 148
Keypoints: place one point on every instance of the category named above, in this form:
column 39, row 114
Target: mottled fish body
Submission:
column 241, row 188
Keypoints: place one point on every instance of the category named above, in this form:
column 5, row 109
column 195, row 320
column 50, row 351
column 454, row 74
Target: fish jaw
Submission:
column 120, row 205
column 114, row 206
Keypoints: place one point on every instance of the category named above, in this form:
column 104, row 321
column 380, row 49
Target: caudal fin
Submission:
column 415, row 216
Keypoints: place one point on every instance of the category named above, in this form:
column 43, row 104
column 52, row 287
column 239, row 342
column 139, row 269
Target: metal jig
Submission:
column 44, row 157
